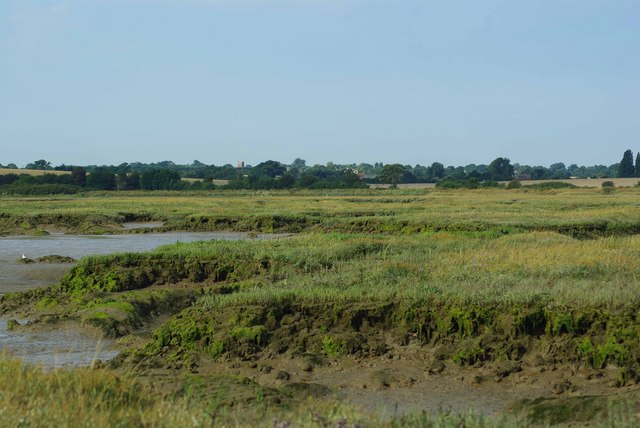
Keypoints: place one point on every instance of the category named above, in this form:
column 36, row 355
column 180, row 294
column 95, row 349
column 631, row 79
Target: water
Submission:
column 57, row 348
column 18, row 276
column 142, row 225
column 63, row 346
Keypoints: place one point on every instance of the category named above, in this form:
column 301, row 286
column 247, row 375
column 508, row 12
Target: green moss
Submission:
column 189, row 332
column 331, row 347
column 162, row 337
column 469, row 352
column 256, row 334
column 47, row 303
column 215, row 349
column 599, row 355
column 98, row 316
column 12, row 325
column 561, row 323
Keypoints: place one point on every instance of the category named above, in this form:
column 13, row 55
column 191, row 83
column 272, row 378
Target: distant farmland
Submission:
column 4, row 171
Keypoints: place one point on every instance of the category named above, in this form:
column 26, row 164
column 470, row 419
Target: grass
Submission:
column 398, row 211
column 516, row 268
column 457, row 266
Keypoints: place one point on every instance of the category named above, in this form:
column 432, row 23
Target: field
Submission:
column 4, row 171
column 520, row 303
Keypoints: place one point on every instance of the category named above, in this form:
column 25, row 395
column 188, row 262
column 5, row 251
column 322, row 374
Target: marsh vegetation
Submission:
column 520, row 294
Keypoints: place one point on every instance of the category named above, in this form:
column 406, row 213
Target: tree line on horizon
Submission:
column 270, row 174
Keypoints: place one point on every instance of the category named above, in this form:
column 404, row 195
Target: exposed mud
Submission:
column 405, row 380
column 360, row 355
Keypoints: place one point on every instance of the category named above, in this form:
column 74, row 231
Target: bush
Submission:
column 608, row 187
column 40, row 189
column 464, row 183
column 548, row 185
column 514, row 184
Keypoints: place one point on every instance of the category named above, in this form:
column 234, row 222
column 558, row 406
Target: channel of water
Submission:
column 66, row 346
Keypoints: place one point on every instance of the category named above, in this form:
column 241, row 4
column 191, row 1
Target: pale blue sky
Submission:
column 106, row 82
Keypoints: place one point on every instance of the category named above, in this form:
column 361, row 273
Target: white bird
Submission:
column 24, row 257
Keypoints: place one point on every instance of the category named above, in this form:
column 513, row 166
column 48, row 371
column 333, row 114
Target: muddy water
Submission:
column 142, row 225
column 17, row 276
column 66, row 346
column 58, row 348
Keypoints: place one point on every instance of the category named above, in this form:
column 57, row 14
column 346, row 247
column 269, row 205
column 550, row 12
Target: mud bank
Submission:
column 374, row 357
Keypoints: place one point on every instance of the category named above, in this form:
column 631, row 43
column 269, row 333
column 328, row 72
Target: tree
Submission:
column 299, row 164
column 437, row 170
column 637, row 168
column 500, row 169
column 133, row 181
column 101, row 178
column 626, row 168
column 392, row 174
column 39, row 164
column 79, row 176
column 538, row 172
column 159, row 179
column 269, row 168
column 287, row 180
column 558, row 171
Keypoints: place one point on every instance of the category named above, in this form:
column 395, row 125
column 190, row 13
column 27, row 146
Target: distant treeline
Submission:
column 266, row 175
column 167, row 175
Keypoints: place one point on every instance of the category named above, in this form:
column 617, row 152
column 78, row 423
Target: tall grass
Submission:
column 81, row 397
column 400, row 211
column 518, row 268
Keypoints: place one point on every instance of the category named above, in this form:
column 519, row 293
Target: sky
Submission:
column 413, row 82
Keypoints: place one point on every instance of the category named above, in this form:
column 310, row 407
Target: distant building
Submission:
column 240, row 164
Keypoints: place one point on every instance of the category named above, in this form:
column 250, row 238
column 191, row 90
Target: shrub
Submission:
column 548, row 185
column 608, row 187
column 514, row 184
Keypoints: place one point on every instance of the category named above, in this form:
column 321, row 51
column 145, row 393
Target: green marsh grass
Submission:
column 565, row 254
column 387, row 211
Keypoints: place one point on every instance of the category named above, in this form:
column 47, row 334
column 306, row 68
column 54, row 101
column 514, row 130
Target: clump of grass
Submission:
column 30, row 396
